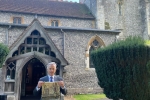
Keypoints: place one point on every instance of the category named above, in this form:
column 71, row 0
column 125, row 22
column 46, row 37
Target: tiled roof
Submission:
column 44, row 7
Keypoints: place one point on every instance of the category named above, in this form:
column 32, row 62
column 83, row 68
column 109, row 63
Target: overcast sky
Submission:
column 74, row 0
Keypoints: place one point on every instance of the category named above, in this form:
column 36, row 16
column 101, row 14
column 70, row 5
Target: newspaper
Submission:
column 50, row 90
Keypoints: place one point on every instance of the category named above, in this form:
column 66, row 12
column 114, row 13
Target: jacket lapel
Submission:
column 55, row 79
column 47, row 79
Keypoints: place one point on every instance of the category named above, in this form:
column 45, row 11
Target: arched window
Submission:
column 120, row 3
column 94, row 43
column 11, row 69
column 34, row 42
column 120, row 12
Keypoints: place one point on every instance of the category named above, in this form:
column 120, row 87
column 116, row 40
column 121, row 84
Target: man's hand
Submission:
column 61, row 84
column 40, row 83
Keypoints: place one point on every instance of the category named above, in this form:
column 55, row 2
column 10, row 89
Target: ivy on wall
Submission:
column 107, row 26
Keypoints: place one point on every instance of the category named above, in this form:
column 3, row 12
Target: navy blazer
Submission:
column 46, row 79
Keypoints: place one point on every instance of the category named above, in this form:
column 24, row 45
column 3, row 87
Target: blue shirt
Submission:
column 49, row 77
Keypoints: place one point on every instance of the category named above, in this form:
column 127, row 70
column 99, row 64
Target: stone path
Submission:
column 69, row 97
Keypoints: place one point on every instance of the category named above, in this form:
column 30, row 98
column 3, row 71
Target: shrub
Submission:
column 3, row 53
column 121, row 69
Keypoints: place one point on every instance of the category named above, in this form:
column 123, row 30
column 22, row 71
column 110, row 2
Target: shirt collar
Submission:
column 51, row 76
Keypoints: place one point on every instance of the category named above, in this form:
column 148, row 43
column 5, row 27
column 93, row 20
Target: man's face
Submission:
column 51, row 70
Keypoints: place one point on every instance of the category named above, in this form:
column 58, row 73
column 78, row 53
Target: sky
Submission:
column 74, row 0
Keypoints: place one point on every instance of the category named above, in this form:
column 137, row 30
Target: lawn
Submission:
column 89, row 96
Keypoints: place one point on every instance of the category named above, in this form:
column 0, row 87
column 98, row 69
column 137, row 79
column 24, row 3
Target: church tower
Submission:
column 131, row 17
column 97, row 10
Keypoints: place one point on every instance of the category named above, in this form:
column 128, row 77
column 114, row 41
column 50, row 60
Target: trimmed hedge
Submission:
column 122, row 69
column 3, row 53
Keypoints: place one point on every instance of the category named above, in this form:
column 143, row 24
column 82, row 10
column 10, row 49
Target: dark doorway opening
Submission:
column 31, row 73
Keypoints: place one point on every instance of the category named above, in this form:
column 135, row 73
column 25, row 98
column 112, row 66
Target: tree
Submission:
column 122, row 71
column 3, row 53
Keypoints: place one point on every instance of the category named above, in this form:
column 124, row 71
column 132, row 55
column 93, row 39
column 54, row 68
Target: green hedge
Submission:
column 121, row 69
column 3, row 53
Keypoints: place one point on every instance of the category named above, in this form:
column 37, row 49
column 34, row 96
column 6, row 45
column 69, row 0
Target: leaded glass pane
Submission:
column 13, row 74
column 14, row 20
column 29, row 40
column 91, row 62
column 35, row 33
column 53, row 54
column 42, row 41
column 15, row 53
column 41, row 49
column 17, row 20
column 95, row 43
column 47, row 51
column 28, row 49
column 22, row 50
column 56, row 23
column 34, row 48
column 53, row 23
column 35, row 41
column 11, row 67
column 8, row 71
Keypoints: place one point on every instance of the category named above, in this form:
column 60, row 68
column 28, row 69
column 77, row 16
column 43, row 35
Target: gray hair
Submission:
column 51, row 63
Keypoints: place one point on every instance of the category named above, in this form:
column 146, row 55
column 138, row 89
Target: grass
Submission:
column 89, row 96
column 147, row 42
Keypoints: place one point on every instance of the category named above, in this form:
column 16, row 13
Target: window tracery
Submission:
column 34, row 42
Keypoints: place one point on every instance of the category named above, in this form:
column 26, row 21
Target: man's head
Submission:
column 51, row 68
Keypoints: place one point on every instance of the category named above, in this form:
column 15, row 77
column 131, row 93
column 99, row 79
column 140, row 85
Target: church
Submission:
column 41, row 31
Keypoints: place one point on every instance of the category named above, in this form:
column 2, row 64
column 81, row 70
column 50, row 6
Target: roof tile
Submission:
column 44, row 7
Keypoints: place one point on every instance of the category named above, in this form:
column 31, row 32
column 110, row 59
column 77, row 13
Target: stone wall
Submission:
column 77, row 76
column 2, row 76
column 111, row 13
column 97, row 10
column 133, row 17
column 57, row 37
column 14, row 33
column 3, row 32
column 45, row 20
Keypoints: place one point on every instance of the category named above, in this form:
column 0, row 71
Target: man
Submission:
column 51, row 69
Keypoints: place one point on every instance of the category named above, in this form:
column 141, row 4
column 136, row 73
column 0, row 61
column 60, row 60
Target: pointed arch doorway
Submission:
column 32, row 71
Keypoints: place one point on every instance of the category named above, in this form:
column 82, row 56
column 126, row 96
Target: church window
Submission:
column 11, row 68
column 34, row 48
column 22, row 50
column 17, row 20
column 120, row 3
column 29, row 40
column 42, row 41
column 95, row 45
column 28, row 49
column 35, row 41
column 53, row 54
column 120, row 9
column 54, row 23
column 36, row 33
column 15, row 53
column 47, row 51
column 41, row 49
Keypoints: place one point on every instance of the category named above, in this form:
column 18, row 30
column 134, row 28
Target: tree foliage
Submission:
column 3, row 53
column 122, row 69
